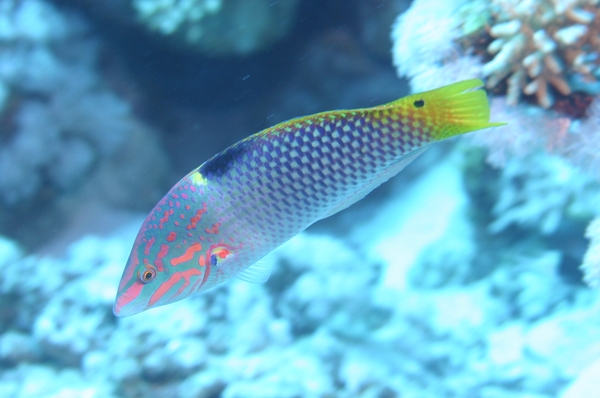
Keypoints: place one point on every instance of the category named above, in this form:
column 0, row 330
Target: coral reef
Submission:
column 422, row 54
column 63, row 131
column 28, row 65
column 330, row 321
column 544, row 46
column 46, row 69
column 218, row 27
column 538, row 47
column 533, row 129
column 210, row 27
column 542, row 196
column 539, row 143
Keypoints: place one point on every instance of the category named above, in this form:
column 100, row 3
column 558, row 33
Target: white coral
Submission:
column 424, row 38
column 591, row 260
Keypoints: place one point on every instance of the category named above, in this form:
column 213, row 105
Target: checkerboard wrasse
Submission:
column 222, row 218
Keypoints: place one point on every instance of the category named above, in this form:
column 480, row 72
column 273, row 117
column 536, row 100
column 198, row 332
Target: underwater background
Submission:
column 473, row 273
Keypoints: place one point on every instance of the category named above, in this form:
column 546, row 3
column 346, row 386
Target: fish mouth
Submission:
column 122, row 308
column 117, row 311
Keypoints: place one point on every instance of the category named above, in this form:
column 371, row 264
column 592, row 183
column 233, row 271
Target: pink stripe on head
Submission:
column 128, row 296
column 188, row 255
column 148, row 246
column 129, row 269
column 164, row 249
column 172, row 281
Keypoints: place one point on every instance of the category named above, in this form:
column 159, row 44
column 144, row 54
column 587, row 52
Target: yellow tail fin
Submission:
column 451, row 110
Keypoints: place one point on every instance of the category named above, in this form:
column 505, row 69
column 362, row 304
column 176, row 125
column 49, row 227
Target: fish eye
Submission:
column 147, row 275
column 419, row 103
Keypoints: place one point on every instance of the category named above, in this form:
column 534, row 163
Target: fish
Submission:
column 223, row 217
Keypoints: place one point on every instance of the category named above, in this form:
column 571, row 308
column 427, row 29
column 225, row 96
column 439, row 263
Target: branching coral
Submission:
column 544, row 46
column 539, row 47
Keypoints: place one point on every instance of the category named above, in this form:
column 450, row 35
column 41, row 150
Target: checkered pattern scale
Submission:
column 285, row 178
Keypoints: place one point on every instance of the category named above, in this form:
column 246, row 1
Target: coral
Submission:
column 34, row 380
column 539, row 47
column 166, row 16
column 418, row 49
column 586, row 383
column 347, row 284
column 446, row 261
column 544, row 46
column 325, row 324
column 431, row 58
column 591, row 261
column 529, row 129
column 58, row 118
column 58, row 145
column 581, row 145
column 66, row 138
column 540, row 191
column 532, row 129
column 218, row 27
column 526, row 280
column 558, row 339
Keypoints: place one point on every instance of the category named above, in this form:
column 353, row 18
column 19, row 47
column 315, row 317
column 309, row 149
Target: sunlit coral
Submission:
column 419, row 52
column 543, row 47
column 591, row 261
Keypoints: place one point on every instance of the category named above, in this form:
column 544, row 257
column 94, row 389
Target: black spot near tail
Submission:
column 221, row 163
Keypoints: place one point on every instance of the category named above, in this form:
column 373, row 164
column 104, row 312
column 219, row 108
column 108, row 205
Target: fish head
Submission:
column 167, row 262
column 149, row 280
column 140, row 280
